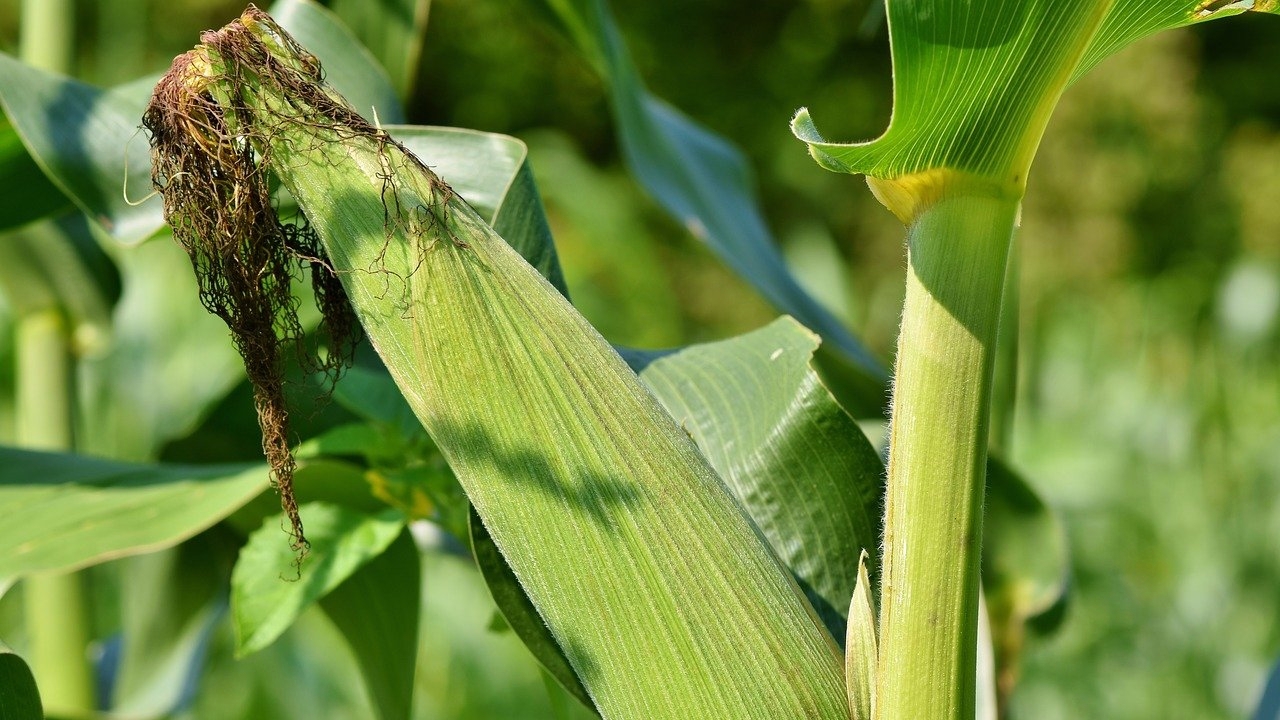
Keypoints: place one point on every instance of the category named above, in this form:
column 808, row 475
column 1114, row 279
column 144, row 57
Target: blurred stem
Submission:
column 957, row 251
column 46, row 38
column 56, row 612
column 55, row 607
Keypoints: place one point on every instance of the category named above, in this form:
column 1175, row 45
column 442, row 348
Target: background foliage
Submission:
column 1149, row 405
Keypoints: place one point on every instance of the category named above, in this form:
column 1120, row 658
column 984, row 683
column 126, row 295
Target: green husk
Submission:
column 662, row 594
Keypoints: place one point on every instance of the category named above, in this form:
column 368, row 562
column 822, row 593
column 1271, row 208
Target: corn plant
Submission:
column 691, row 533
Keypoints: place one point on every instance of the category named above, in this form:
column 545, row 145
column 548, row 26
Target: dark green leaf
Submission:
column 28, row 194
column 19, row 697
column 376, row 609
column 64, row 512
column 269, row 590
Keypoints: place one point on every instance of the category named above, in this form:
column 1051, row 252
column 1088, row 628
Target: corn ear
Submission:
column 662, row 594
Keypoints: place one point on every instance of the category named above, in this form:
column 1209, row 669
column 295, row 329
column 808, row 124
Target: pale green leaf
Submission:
column 665, row 598
column 521, row 616
column 268, row 587
column 706, row 184
column 170, row 602
column 64, row 512
column 19, row 697
column 376, row 609
column 349, row 67
column 393, row 31
column 860, row 647
column 795, row 460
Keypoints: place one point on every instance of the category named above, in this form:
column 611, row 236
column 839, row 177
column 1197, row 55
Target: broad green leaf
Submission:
column 521, row 616
column 974, row 85
column 64, row 512
column 349, row 67
column 376, row 609
column 860, row 647
column 19, row 697
column 170, row 602
column 28, row 195
column 664, row 596
column 705, row 183
column 268, row 587
column 794, row 459
column 393, row 31
column 85, row 138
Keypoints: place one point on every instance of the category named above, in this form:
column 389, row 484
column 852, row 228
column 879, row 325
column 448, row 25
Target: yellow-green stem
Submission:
column 55, row 608
column 957, row 253
column 45, row 39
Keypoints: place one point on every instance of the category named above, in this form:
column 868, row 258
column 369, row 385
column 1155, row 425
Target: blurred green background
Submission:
column 1149, row 385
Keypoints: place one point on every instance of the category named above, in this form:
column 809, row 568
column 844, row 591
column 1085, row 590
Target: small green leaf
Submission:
column 795, row 460
column 376, row 609
column 520, row 614
column 19, row 697
column 860, row 647
column 705, row 183
column 64, row 512
column 269, row 589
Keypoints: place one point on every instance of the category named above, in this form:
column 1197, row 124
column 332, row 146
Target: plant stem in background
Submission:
column 45, row 40
column 957, row 253
column 56, row 612
column 55, row 607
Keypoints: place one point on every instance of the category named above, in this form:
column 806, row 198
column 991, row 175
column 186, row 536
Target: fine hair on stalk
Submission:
column 212, row 140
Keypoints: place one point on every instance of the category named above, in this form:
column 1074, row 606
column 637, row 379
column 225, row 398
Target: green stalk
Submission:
column 56, row 612
column 957, row 252
column 55, row 607
column 45, row 38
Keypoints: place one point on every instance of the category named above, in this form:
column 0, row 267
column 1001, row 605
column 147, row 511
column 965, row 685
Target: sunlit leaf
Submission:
column 376, row 609
column 860, row 647
column 795, row 460
column 269, row 589
column 64, row 512
column 521, row 616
